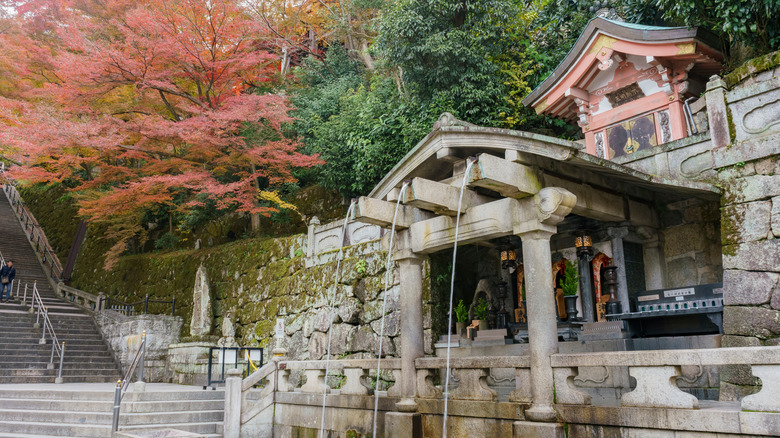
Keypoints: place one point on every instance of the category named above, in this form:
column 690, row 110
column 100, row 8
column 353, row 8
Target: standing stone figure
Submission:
column 201, row 305
column 228, row 338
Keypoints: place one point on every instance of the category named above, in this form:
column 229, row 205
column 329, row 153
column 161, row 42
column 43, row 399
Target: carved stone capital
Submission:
column 617, row 232
column 553, row 204
column 649, row 235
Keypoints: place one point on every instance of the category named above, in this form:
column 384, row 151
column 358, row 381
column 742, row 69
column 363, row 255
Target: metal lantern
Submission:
column 508, row 258
column 584, row 244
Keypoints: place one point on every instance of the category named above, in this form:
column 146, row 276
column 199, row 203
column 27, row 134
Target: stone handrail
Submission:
column 656, row 374
column 256, row 377
column 339, row 364
column 80, row 298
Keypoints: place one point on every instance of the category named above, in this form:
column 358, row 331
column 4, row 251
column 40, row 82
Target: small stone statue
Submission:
column 228, row 338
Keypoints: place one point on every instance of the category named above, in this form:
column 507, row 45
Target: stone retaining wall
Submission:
column 123, row 334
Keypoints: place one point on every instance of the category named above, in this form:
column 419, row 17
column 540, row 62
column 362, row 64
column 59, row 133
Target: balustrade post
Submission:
column 565, row 390
column 767, row 399
column 473, row 385
column 522, row 392
column 146, row 304
column 353, row 384
column 315, row 381
column 656, row 387
column 395, row 390
column 232, row 423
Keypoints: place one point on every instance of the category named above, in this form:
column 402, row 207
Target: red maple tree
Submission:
column 142, row 104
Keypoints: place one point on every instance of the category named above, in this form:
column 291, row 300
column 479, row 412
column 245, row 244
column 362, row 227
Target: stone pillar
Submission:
column 717, row 114
column 586, row 287
column 616, row 235
column 232, row 425
column 542, row 321
column 411, row 333
column 653, row 257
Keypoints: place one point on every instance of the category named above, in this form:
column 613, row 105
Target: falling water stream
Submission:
column 469, row 163
column 331, row 298
column 388, row 272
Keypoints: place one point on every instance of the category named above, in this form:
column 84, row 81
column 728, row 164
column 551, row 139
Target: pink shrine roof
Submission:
column 680, row 49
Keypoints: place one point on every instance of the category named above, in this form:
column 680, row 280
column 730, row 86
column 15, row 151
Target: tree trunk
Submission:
column 255, row 217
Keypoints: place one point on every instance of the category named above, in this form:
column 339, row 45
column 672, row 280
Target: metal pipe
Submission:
column 146, row 304
column 173, row 306
column 24, row 300
column 140, row 376
column 689, row 116
column 62, row 359
column 45, row 318
column 51, row 359
column 117, row 402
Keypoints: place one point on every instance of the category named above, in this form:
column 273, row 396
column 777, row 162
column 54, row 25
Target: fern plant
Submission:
column 571, row 279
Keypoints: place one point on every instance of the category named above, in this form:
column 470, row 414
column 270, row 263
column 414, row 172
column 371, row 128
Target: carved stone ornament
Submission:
column 554, row 203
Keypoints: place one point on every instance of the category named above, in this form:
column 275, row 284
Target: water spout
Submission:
column 470, row 162
column 388, row 270
column 331, row 298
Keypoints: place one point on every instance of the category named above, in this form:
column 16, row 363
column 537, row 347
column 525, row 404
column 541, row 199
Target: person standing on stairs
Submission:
column 7, row 275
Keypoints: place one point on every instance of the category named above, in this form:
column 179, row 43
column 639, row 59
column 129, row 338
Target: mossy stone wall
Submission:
column 258, row 280
column 750, row 222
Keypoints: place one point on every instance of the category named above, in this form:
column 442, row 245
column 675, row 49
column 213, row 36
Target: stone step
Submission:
column 207, row 429
column 86, row 394
column 106, row 405
column 19, row 428
column 67, row 379
column 98, row 418
column 66, row 365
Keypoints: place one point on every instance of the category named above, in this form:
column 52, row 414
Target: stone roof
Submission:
column 452, row 141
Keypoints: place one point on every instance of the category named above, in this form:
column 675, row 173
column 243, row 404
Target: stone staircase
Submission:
column 22, row 358
column 86, row 410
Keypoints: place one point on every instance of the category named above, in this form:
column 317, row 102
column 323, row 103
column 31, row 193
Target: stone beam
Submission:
column 448, row 154
column 486, row 221
column 439, row 198
column 495, row 219
column 510, row 179
column 592, row 203
column 378, row 212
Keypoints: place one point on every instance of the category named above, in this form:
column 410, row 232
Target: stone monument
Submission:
column 201, row 305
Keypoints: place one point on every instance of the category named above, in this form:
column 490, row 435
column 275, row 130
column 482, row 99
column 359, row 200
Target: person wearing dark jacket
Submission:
column 7, row 275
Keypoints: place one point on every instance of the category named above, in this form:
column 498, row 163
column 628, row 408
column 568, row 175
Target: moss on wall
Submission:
column 752, row 67
column 57, row 214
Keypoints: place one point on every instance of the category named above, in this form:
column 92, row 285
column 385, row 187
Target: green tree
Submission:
column 360, row 127
column 443, row 51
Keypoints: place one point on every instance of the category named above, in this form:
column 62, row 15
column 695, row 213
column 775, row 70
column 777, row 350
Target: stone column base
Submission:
column 529, row 429
column 403, row 424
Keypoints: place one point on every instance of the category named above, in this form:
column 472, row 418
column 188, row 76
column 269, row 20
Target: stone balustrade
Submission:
column 501, row 388
column 78, row 297
column 656, row 374
column 354, row 375
column 324, row 241
column 470, row 377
